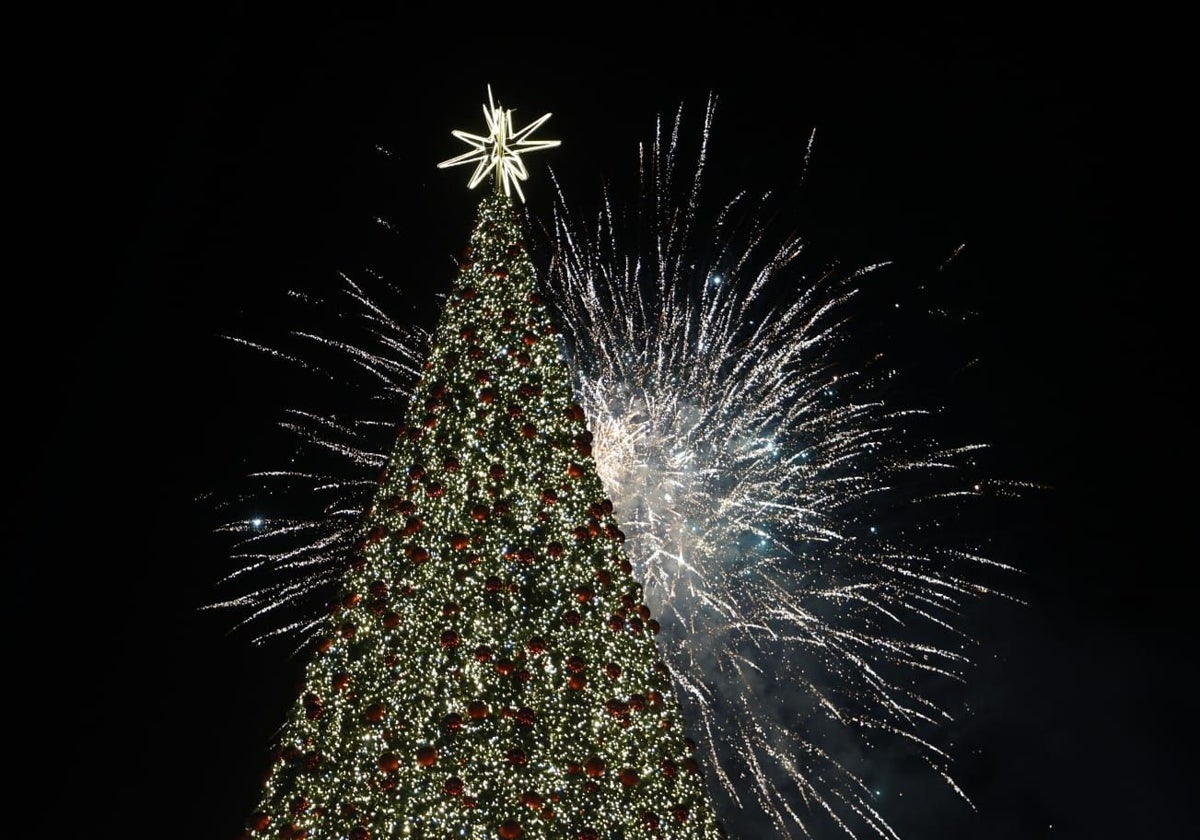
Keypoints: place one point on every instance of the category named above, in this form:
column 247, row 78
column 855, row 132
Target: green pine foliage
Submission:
column 490, row 670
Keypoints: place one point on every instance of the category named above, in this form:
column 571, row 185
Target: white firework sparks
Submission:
column 747, row 468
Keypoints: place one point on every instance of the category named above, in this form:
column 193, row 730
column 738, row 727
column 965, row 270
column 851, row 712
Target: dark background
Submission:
column 178, row 171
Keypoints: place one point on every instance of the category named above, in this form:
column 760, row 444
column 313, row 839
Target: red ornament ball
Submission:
column 258, row 821
column 477, row 710
column 427, row 756
column 510, row 830
column 454, row 786
column 594, row 766
column 389, row 762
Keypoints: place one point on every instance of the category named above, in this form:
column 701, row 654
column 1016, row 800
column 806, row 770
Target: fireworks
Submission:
column 749, row 465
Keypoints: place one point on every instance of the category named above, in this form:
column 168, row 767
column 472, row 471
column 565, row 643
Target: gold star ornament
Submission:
column 500, row 151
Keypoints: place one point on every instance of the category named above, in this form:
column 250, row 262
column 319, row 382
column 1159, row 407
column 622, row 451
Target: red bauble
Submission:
column 416, row 472
column 451, row 464
column 616, row 708
column 412, row 525
column 575, row 412
column 653, row 626
column 391, row 620
column 669, row 768
column 496, row 472
column 427, row 756
column 613, row 670
column 479, row 513
column 629, row 777
column 528, row 430
column 452, row 722
column 536, row 645
column 594, row 766
column 477, row 710
column 574, row 470
column 375, row 712
column 571, row 618
column 650, row 819
column 526, row 716
column 510, row 830
column 418, row 554
column 691, row 765
column 604, row 577
column 450, row 639
column 258, row 821
column 360, row 833
column 459, row 541
column 389, row 762
column 583, row 594
column 680, row 813
column 454, row 786
column 531, row 799
column 483, row 653
column 554, row 549
column 504, row 667
column 637, row 702
column 349, row 629
column 616, row 623
column 577, row 682
column 516, row 756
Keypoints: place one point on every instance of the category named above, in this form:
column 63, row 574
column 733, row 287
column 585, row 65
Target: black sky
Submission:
column 179, row 171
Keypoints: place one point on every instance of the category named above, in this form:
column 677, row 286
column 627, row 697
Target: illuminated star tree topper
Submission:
column 500, row 151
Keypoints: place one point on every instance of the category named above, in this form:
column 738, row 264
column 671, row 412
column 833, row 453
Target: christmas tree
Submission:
column 490, row 669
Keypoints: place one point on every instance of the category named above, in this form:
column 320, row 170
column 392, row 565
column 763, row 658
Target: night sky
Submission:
column 179, row 173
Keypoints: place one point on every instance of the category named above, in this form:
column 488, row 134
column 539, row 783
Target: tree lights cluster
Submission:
column 490, row 669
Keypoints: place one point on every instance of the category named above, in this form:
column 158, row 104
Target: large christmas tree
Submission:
column 490, row 669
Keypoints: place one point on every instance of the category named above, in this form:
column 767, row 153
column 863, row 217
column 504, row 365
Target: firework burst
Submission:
column 749, row 464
